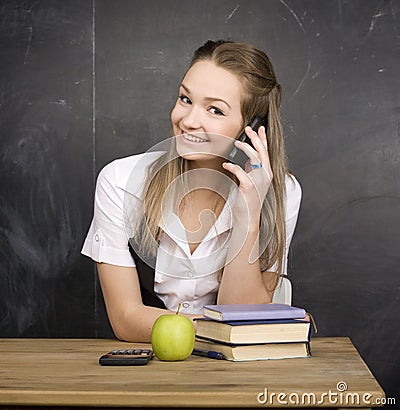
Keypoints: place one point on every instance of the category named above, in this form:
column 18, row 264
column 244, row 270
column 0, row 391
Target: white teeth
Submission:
column 193, row 138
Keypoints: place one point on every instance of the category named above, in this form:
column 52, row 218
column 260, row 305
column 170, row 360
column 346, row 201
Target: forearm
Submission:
column 242, row 280
column 135, row 324
column 130, row 319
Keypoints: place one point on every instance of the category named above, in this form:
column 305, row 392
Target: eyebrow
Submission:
column 207, row 98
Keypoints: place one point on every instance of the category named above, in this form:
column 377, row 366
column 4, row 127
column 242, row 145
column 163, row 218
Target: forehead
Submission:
column 208, row 80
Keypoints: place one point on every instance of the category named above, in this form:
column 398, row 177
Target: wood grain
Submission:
column 65, row 372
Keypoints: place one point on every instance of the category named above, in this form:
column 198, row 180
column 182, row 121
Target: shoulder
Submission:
column 293, row 194
column 127, row 173
column 121, row 167
column 293, row 187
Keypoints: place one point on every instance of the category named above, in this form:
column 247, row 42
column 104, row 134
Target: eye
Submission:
column 184, row 99
column 216, row 111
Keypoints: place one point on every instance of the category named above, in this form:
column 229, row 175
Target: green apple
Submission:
column 172, row 337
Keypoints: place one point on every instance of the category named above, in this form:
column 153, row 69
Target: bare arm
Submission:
column 242, row 280
column 130, row 319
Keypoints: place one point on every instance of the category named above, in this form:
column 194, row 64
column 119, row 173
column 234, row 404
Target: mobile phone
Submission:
column 236, row 155
column 126, row 357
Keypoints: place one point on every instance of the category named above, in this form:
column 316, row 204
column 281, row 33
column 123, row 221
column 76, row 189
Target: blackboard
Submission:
column 85, row 82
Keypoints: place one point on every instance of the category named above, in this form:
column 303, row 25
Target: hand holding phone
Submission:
column 238, row 157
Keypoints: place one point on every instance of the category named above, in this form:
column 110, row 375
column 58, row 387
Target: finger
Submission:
column 246, row 183
column 257, row 152
column 261, row 144
column 239, row 173
column 263, row 136
column 250, row 152
column 259, row 140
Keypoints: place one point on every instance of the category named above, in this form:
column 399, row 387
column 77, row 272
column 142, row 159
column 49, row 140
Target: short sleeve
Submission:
column 293, row 200
column 107, row 240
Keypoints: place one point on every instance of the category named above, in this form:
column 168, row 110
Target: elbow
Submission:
column 129, row 335
column 134, row 331
column 260, row 296
column 120, row 334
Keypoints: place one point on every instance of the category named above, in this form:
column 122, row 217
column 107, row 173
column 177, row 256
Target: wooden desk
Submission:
column 65, row 372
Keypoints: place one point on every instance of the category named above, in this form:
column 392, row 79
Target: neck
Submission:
column 212, row 178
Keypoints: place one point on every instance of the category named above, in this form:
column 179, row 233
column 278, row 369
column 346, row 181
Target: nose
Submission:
column 191, row 120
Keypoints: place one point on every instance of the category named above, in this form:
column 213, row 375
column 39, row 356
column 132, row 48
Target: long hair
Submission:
column 261, row 96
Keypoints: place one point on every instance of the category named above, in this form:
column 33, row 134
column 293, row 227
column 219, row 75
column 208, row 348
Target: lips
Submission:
column 192, row 138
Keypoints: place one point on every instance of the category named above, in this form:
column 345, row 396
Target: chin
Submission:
column 200, row 158
column 196, row 156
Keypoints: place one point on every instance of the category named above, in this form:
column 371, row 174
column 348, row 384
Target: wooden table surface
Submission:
column 65, row 372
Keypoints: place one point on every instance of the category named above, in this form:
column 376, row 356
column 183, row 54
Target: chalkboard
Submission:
column 46, row 176
column 85, row 82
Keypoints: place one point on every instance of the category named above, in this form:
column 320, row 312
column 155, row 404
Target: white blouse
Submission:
column 191, row 279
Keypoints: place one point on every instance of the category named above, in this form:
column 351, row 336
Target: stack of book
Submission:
column 254, row 332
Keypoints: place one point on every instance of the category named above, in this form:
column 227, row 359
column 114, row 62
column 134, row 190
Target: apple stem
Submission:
column 179, row 308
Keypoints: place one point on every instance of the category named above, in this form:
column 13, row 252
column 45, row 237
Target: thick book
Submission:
column 269, row 351
column 254, row 331
column 253, row 312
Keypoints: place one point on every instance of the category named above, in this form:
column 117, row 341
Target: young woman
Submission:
column 201, row 228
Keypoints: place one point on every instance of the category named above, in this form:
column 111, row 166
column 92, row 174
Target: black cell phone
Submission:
column 236, row 155
column 126, row 357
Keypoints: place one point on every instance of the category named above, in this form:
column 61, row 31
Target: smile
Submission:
column 193, row 138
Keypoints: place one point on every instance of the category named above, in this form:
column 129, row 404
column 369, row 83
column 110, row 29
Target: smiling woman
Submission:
column 205, row 111
column 210, row 107
column 204, row 229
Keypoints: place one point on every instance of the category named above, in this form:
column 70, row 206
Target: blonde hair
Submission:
column 262, row 96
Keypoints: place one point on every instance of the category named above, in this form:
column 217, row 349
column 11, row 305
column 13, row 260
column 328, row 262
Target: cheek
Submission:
column 234, row 130
column 175, row 114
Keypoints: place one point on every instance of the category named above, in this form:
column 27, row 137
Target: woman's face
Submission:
column 207, row 114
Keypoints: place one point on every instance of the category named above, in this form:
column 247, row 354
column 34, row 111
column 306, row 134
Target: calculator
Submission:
column 126, row 357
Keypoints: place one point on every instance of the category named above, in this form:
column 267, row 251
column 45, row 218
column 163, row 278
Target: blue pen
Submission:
column 208, row 353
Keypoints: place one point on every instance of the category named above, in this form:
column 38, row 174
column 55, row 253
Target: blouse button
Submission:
column 190, row 274
column 96, row 237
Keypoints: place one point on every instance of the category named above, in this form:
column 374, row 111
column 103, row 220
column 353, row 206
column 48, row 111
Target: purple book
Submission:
column 253, row 312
